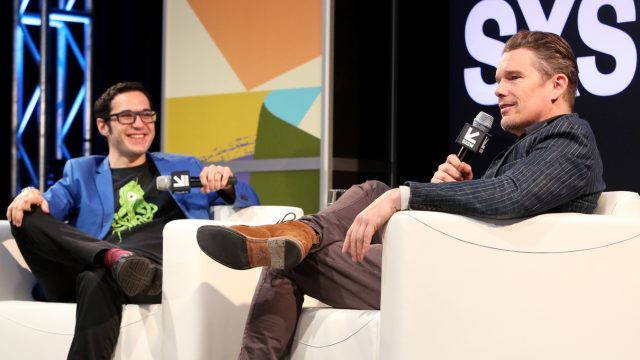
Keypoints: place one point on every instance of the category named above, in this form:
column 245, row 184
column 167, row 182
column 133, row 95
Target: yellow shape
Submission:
column 213, row 127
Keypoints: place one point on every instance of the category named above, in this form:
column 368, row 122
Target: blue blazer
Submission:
column 84, row 195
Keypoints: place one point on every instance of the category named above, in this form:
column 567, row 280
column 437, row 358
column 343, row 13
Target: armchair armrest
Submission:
column 619, row 203
column 256, row 215
column 561, row 286
column 205, row 304
column 17, row 281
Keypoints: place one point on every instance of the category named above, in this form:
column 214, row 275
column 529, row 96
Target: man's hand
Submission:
column 371, row 219
column 23, row 202
column 452, row 170
column 214, row 178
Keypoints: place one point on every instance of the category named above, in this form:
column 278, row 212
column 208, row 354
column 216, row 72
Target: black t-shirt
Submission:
column 140, row 210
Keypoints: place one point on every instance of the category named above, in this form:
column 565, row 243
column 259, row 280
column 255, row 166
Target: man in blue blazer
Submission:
column 95, row 236
column 553, row 166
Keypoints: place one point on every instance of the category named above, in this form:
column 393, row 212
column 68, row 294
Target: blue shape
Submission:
column 292, row 104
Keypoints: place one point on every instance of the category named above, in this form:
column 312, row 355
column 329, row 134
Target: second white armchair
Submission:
column 191, row 322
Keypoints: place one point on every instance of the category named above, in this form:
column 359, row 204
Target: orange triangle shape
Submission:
column 263, row 39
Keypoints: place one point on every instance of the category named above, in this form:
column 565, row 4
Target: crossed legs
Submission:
column 68, row 266
column 325, row 274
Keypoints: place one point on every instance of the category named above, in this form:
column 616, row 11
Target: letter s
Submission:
column 485, row 49
column 608, row 40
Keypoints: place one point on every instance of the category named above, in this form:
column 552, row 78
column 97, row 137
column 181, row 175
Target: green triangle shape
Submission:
column 277, row 138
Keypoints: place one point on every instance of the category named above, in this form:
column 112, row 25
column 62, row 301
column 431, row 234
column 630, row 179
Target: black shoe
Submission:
column 136, row 274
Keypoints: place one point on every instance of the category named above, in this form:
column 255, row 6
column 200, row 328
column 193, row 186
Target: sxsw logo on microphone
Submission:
column 180, row 181
column 472, row 138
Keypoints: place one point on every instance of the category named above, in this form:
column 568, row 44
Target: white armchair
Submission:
column 554, row 286
column 173, row 330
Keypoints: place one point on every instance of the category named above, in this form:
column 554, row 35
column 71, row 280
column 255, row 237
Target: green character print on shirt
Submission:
column 134, row 210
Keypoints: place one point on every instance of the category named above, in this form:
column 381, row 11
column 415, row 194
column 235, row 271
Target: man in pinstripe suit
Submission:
column 554, row 166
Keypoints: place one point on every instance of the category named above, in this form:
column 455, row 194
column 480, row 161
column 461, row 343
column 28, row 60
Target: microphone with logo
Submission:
column 181, row 182
column 474, row 138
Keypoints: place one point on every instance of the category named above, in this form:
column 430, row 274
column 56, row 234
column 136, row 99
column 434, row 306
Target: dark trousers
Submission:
column 62, row 258
column 326, row 274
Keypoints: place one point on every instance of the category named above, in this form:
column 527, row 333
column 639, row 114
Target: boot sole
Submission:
column 231, row 249
column 137, row 275
column 156, row 284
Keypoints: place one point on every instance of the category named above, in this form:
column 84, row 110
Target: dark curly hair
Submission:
column 102, row 106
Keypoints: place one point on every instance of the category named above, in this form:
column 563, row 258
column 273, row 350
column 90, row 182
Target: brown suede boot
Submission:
column 280, row 246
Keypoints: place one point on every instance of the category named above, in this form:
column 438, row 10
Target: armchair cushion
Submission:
column 327, row 333
column 49, row 326
column 17, row 280
column 619, row 203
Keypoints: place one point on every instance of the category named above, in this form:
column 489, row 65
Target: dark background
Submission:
column 378, row 67
column 127, row 46
column 399, row 98
column 390, row 91
column 612, row 118
column 6, row 31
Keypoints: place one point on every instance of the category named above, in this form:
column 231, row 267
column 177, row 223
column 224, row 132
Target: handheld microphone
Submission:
column 474, row 138
column 180, row 181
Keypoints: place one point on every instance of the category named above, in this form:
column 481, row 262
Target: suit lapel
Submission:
column 104, row 184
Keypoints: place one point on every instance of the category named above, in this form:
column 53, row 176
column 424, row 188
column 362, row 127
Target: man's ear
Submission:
column 103, row 127
column 560, row 83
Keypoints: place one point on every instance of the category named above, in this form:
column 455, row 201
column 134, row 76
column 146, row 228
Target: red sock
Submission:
column 112, row 255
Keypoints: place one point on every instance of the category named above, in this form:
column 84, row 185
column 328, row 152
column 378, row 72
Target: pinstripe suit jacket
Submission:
column 554, row 167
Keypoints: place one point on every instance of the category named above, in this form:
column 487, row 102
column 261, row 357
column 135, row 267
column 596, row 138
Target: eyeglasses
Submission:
column 128, row 117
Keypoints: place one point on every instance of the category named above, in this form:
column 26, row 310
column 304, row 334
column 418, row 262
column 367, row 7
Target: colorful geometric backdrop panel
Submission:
column 243, row 83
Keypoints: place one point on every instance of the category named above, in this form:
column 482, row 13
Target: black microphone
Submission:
column 180, row 181
column 474, row 138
